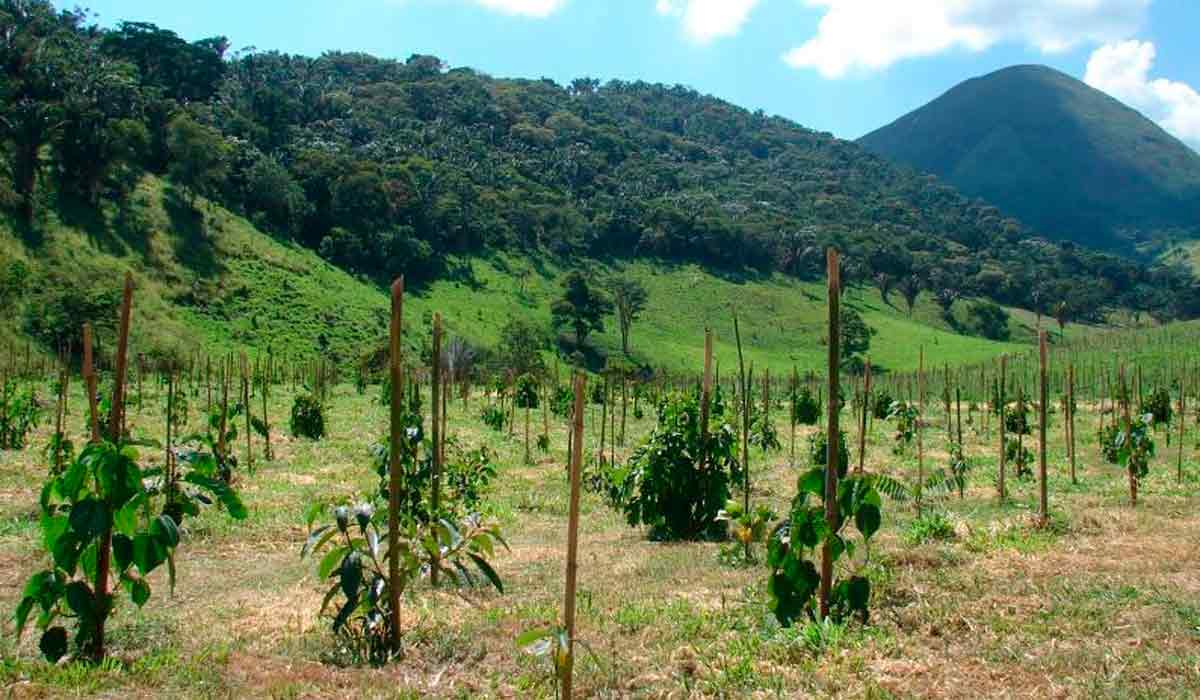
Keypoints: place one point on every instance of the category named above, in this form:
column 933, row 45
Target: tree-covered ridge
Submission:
column 1064, row 157
column 387, row 166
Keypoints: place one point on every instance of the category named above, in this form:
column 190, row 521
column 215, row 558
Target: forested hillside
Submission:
column 400, row 167
column 1061, row 155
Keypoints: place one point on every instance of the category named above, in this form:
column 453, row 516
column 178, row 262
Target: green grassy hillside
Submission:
column 211, row 282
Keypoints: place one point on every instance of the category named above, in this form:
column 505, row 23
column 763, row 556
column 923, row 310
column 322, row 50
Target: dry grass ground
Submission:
column 1105, row 603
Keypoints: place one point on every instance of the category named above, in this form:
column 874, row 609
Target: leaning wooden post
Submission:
column 1127, row 427
column 866, row 408
column 394, row 447
column 831, row 426
column 1002, row 400
column 573, row 537
column 1043, row 504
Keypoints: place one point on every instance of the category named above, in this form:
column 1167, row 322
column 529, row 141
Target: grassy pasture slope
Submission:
column 213, row 282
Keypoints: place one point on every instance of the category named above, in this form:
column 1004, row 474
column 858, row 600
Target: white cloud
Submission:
column 874, row 34
column 1123, row 69
column 527, row 8
column 706, row 20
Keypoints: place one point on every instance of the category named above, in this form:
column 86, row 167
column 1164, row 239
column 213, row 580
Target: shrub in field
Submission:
column 466, row 476
column 818, row 448
column 212, row 445
column 1020, row 456
column 526, row 391
column 352, row 553
column 763, row 434
column 796, row 543
column 745, row 528
column 667, row 485
column 806, row 410
column 598, row 398
column 959, row 466
column 906, row 416
column 1016, row 417
column 59, row 450
column 1158, row 406
column 200, row 473
column 881, row 404
column 929, row 527
column 308, row 417
column 1132, row 448
column 352, row 557
column 96, row 525
column 493, row 417
column 19, row 415
column 562, row 401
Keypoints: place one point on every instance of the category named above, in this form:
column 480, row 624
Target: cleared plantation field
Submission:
column 1105, row 603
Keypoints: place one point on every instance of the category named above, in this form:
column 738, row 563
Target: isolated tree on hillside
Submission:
column 855, row 333
column 884, row 282
column 630, row 298
column 1062, row 313
column 521, row 346
column 581, row 308
column 1036, row 297
column 945, row 298
column 910, row 288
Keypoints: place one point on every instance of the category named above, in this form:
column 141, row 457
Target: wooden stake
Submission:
column 831, row 423
column 745, row 392
column 920, row 427
column 394, row 481
column 1071, row 419
column 246, row 407
column 705, row 396
column 1043, row 398
column 866, row 409
column 573, row 537
column 1003, row 443
column 104, row 549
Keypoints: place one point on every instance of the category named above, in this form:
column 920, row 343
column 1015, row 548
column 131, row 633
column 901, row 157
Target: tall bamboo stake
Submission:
column 1002, row 400
column 394, row 481
column 573, row 538
column 866, row 409
column 832, row 435
column 104, row 550
column 745, row 396
column 436, row 425
column 1043, row 503
column 1071, row 419
column 920, row 427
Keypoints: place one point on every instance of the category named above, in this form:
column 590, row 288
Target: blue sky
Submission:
column 843, row 66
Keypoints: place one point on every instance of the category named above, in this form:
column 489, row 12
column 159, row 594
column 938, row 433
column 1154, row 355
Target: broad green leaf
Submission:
column 488, row 571
column 89, row 518
column 53, row 644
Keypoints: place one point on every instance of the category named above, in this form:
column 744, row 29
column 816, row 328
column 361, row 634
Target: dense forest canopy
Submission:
column 386, row 167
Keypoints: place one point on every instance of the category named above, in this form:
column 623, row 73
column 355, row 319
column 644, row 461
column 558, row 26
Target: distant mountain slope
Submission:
column 1063, row 157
